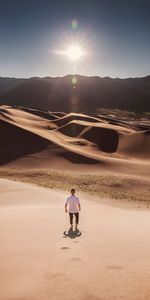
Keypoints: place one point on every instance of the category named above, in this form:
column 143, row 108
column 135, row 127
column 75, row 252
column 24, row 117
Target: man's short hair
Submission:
column 73, row 190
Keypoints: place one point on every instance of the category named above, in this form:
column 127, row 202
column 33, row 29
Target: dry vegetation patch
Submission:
column 104, row 186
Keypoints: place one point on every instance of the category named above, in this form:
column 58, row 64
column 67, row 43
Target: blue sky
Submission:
column 114, row 34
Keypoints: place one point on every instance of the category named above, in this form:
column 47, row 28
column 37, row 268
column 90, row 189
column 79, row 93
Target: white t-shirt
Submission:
column 73, row 202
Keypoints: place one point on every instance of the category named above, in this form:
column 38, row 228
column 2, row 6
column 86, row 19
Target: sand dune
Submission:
column 111, row 258
column 109, row 261
column 135, row 144
column 40, row 113
column 74, row 116
column 48, row 139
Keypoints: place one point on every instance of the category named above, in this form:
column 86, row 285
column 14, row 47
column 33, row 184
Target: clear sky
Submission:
column 113, row 34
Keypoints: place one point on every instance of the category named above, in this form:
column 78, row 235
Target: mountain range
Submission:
column 76, row 93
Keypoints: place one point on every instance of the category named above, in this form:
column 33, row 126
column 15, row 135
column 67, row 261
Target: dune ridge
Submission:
column 71, row 140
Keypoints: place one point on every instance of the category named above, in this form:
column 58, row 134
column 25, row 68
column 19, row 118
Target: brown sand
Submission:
column 109, row 261
column 35, row 139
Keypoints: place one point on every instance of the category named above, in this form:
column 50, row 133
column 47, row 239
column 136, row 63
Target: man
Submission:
column 74, row 207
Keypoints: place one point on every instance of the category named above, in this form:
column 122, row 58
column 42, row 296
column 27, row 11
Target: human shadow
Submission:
column 72, row 234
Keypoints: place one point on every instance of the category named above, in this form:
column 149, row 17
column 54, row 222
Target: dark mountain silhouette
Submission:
column 87, row 95
column 7, row 84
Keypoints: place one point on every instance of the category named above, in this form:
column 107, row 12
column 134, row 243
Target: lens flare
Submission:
column 74, row 80
column 74, row 24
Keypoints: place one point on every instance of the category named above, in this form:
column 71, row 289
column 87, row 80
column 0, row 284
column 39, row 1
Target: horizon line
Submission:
column 67, row 75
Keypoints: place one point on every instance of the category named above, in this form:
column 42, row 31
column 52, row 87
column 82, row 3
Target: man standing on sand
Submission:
column 74, row 207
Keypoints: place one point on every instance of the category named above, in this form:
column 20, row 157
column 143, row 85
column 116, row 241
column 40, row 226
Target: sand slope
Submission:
column 34, row 138
column 109, row 261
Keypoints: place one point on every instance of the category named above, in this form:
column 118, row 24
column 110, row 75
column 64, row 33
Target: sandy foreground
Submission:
column 111, row 260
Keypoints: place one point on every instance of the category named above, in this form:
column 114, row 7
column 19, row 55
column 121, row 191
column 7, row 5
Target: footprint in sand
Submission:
column 64, row 248
column 76, row 259
column 115, row 267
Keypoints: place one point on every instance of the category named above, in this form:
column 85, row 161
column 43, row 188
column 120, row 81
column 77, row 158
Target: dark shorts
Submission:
column 76, row 216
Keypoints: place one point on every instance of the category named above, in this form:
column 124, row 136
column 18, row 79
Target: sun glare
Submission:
column 74, row 53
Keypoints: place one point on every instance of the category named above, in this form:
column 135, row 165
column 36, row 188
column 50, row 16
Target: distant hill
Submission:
column 87, row 95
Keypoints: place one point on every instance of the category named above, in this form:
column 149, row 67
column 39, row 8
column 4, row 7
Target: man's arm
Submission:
column 66, row 205
column 79, row 205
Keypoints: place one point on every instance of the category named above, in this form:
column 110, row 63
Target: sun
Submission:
column 74, row 53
